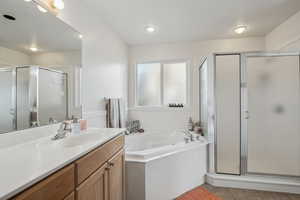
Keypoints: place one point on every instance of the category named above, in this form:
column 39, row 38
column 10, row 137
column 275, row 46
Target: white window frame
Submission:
column 162, row 106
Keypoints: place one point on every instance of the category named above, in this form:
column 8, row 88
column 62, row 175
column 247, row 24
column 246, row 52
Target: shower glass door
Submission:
column 7, row 100
column 53, row 96
column 271, row 114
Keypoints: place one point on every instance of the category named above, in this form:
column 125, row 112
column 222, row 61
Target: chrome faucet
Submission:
column 52, row 121
column 63, row 130
column 189, row 136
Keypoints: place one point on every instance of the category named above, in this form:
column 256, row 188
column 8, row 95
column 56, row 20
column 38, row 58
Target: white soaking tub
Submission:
column 161, row 166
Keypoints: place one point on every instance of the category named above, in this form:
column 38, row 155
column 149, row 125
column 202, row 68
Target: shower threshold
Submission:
column 256, row 182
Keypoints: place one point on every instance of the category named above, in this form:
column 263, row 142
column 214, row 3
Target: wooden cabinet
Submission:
column 70, row 197
column 107, row 183
column 95, row 187
column 99, row 175
column 116, row 177
column 89, row 163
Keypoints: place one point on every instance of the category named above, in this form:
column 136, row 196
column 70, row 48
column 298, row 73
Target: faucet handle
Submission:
column 65, row 126
column 186, row 140
column 62, row 126
column 60, row 134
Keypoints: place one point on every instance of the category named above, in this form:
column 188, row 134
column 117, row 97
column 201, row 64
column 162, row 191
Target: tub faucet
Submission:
column 187, row 140
column 192, row 138
column 189, row 136
column 188, row 133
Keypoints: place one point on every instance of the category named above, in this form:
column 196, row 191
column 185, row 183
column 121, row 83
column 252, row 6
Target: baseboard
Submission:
column 255, row 183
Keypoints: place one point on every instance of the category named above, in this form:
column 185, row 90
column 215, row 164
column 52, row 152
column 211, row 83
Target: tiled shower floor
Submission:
column 241, row 194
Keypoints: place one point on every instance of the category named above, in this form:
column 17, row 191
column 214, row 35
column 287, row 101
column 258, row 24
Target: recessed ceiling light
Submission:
column 34, row 49
column 80, row 36
column 9, row 17
column 41, row 9
column 240, row 29
column 59, row 4
column 150, row 29
column 27, row 0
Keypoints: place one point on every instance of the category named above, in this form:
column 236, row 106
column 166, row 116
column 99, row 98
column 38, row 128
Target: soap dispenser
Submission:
column 75, row 126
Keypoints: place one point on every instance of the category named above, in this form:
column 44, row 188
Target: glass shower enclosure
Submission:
column 271, row 114
column 32, row 96
column 8, row 100
column 253, row 109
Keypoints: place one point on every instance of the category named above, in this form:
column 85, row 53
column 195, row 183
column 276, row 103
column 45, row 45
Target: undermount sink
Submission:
column 85, row 137
column 72, row 141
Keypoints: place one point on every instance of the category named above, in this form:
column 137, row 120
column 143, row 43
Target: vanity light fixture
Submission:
column 33, row 49
column 150, row 29
column 52, row 6
column 43, row 10
column 59, row 4
column 240, row 29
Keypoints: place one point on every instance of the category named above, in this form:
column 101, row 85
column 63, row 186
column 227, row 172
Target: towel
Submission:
column 115, row 113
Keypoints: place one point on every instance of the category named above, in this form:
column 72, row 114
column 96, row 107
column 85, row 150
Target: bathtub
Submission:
column 162, row 166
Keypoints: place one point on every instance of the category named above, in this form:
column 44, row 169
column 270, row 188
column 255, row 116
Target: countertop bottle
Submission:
column 75, row 126
column 190, row 125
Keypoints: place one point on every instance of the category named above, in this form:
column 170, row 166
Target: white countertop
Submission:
column 26, row 163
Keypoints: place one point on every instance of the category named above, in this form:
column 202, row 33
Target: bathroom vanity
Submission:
column 89, row 166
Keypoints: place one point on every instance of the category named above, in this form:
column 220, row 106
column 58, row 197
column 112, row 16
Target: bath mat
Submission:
column 198, row 193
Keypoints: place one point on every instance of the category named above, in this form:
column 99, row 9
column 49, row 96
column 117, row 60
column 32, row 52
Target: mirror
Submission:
column 40, row 67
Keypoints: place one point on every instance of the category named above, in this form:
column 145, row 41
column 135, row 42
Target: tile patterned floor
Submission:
column 199, row 193
column 240, row 194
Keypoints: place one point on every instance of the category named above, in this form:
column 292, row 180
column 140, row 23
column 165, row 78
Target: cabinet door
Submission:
column 70, row 197
column 95, row 187
column 116, row 177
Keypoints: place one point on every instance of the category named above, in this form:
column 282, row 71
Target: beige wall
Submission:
column 11, row 57
column 286, row 36
column 69, row 58
column 164, row 119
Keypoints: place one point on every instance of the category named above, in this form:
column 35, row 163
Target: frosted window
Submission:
column 174, row 76
column 149, row 84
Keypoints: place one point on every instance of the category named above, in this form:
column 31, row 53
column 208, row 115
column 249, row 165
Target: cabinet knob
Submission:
column 111, row 164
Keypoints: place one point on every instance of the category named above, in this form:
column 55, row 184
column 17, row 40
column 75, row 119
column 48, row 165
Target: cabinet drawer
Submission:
column 55, row 187
column 92, row 161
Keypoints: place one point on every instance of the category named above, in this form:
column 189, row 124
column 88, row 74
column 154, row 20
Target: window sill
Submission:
column 159, row 109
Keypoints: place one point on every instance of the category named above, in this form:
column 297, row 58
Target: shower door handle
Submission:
column 247, row 115
column 12, row 111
